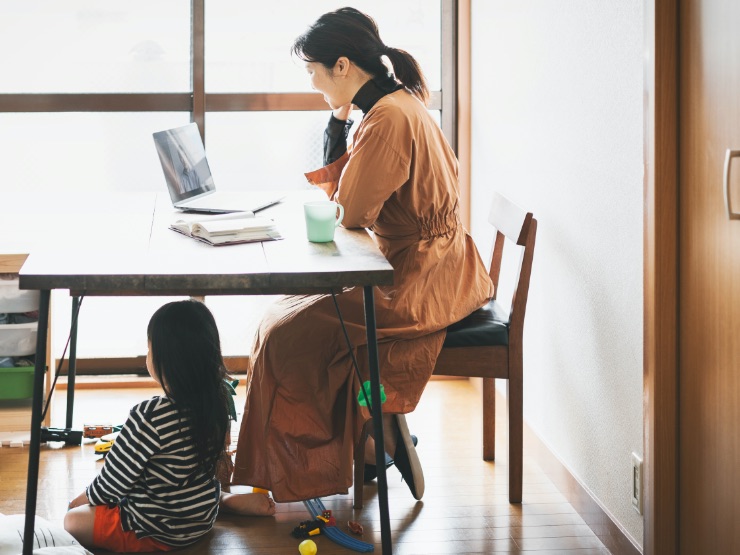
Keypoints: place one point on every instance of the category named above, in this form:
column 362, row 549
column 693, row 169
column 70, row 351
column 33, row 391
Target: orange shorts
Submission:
column 108, row 533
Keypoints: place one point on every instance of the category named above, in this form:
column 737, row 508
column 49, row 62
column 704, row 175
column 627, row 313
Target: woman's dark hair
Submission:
column 351, row 33
column 186, row 355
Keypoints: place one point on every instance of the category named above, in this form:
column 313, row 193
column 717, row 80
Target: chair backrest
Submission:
column 520, row 227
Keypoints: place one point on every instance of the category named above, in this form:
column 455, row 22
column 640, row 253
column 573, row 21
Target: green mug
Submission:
column 322, row 219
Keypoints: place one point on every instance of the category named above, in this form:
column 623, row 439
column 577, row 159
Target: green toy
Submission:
column 363, row 398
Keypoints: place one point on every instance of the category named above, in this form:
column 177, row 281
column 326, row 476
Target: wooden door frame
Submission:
column 660, row 312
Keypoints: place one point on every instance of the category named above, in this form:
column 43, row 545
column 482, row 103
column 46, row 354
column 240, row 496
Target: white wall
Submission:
column 557, row 127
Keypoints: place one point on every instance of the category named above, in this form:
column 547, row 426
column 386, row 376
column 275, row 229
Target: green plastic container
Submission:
column 16, row 383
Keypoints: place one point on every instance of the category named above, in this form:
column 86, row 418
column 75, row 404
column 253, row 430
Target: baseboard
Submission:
column 611, row 534
column 131, row 371
column 120, row 382
column 135, row 366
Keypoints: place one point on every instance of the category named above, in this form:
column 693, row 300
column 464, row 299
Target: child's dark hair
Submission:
column 351, row 33
column 186, row 355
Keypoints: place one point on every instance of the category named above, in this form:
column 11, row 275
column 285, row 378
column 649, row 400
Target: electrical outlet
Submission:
column 637, row 483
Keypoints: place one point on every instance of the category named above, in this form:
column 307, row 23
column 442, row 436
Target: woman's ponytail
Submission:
column 408, row 72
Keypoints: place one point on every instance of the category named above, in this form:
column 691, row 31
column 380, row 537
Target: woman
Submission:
column 399, row 179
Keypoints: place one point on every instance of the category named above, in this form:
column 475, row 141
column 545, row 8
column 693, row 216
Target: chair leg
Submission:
column 489, row 419
column 515, row 395
column 360, row 465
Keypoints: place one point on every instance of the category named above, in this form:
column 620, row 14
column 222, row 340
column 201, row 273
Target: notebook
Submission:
column 189, row 180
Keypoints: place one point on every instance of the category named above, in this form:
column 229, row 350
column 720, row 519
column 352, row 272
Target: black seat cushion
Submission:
column 486, row 327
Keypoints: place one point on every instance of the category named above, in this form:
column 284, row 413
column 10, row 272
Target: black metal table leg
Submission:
column 372, row 349
column 38, row 401
column 72, row 362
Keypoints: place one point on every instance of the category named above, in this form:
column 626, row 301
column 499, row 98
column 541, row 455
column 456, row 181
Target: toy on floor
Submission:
column 355, row 527
column 316, row 508
column 98, row 430
column 104, row 444
column 103, row 447
column 314, row 527
column 307, row 547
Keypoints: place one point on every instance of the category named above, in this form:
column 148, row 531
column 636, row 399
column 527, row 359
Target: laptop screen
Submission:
column 184, row 162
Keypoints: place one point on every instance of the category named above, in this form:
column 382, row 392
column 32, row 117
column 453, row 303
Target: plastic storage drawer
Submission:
column 16, row 383
column 18, row 339
column 13, row 299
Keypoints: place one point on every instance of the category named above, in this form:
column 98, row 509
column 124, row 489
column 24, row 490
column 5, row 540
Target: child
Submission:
column 157, row 490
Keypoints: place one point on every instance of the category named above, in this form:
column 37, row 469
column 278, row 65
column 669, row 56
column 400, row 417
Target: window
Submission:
column 89, row 82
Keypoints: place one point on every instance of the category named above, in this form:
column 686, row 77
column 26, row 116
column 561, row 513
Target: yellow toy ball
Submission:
column 307, row 547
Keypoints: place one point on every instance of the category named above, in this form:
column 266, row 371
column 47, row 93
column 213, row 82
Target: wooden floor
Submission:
column 464, row 510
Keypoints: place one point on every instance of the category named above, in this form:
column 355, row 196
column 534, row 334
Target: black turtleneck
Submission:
column 335, row 136
column 374, row 90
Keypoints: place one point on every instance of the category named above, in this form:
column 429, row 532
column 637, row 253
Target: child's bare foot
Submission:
column 247, row 504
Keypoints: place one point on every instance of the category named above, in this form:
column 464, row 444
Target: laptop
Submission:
column 189, row 178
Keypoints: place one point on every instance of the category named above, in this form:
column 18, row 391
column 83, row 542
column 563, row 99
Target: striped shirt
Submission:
column 151, row 473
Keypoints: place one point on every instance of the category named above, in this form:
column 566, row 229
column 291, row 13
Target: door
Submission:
column 709, row 278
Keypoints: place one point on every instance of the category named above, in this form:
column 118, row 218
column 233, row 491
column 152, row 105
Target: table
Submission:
column 137, row 255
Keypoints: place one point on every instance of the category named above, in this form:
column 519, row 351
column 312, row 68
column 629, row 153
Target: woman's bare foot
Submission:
column 247, row 504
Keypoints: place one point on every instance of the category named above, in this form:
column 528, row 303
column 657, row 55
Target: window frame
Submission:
column 198, row 102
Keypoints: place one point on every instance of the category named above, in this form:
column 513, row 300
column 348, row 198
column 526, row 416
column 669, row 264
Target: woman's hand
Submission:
column 342, row 113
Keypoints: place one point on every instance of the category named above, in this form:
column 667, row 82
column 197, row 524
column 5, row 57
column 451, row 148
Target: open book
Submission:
column 227, row 229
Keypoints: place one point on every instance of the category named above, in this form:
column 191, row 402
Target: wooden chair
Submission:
column 488, row 344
